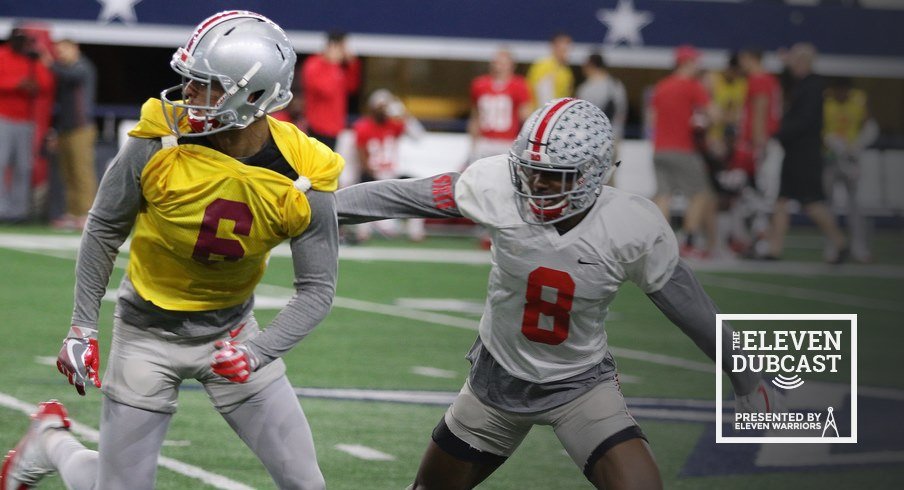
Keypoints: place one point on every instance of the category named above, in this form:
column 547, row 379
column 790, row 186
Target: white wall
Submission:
column 882, row 172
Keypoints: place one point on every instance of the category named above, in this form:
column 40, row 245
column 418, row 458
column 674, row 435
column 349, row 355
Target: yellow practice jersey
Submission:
column 207, row 223
column 729, row 97
column 548, row 79
column 845, row 118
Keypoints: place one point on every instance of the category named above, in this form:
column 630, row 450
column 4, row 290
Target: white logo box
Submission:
column 722, row 317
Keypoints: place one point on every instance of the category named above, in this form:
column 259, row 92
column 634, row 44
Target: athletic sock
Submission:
column 76, row 464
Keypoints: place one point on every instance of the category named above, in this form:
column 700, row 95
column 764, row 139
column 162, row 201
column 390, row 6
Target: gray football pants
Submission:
column 16, row 151
column 271, row 423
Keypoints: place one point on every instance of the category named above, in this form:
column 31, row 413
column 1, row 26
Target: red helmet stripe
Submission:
column 213, row 21
column 540, row 133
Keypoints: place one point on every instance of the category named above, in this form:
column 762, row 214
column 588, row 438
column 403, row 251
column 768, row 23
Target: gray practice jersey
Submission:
column 525, row 364
column 609, row 95
column 119, row 199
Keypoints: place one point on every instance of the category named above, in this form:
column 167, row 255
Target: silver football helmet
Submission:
column 567, row 139
column 248, row 55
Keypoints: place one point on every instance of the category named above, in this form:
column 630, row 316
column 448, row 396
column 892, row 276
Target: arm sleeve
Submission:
column 315, row 256
column 109, row 224
column 687, row 305
column 430, row 197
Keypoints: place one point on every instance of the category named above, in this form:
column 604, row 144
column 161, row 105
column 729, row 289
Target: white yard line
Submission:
column 640, row 355
column 400, row 396
column 801, row 293
column 49, row 243
column 432, row 372
column 689, row 410
column 442, row 304
column 279, row 295
column 792, row 268
column 270, row 296
column 401, row 312
column 91, row 434
column 364, row 452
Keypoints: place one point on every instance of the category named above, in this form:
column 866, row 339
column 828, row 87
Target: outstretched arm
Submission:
column 687, row 305
column 431, row 197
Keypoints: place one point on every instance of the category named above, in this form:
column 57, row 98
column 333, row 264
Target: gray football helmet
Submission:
column 567, row 139
column 248, row 55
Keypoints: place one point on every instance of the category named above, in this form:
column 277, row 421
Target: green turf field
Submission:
column 379, row 338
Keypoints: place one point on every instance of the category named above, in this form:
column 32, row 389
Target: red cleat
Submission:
column 25, row 465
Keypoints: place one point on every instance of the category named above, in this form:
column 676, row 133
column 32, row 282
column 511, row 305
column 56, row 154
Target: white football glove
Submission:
column 764, row 399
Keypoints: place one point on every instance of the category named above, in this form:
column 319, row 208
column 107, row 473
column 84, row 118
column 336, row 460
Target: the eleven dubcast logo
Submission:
column 783, row 355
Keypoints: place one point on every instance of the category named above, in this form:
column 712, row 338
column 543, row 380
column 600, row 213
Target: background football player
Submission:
column 209, row 184
column 500, row 101
column 563, row 243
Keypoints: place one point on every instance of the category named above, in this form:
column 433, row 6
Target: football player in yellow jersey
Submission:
column 208, row 184
column 847, row 130
column 551, row 77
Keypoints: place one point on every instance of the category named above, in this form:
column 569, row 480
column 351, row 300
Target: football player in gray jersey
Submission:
column 563, row 243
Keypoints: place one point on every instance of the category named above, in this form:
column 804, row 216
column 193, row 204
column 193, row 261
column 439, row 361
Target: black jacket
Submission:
column 800, row 132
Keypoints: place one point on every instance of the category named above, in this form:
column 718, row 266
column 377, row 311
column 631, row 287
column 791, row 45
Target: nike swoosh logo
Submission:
column 76, row 351
column 234, row 333
column 587, row 262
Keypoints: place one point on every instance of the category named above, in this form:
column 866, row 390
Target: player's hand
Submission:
column 79, row 358
column 234, row 361
column 764, row 399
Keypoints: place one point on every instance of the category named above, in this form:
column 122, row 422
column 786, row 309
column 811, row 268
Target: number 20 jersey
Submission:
column 549, row 294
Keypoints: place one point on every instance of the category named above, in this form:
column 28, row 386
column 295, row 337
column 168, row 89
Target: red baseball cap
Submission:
column 685, row 53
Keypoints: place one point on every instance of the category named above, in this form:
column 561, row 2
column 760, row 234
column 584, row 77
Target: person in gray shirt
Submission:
column 603, row 90
column 76, row 133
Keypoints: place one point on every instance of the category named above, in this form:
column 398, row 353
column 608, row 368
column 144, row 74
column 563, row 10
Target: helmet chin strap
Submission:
column 200, row 125
column 548, row 212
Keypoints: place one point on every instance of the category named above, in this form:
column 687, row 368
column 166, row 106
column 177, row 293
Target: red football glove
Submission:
column 79, row 358
column 233, row 361
column 764, row 399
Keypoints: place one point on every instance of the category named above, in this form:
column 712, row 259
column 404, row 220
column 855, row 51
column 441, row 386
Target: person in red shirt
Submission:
column 500, row 101
column 24, row 82
column 377, row 137
column 761, row 114
column 677, row 102
column 757, row 155
column 327, row 80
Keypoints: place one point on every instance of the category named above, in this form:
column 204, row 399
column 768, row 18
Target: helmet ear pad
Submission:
column 573, row 138
column 249, row 56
